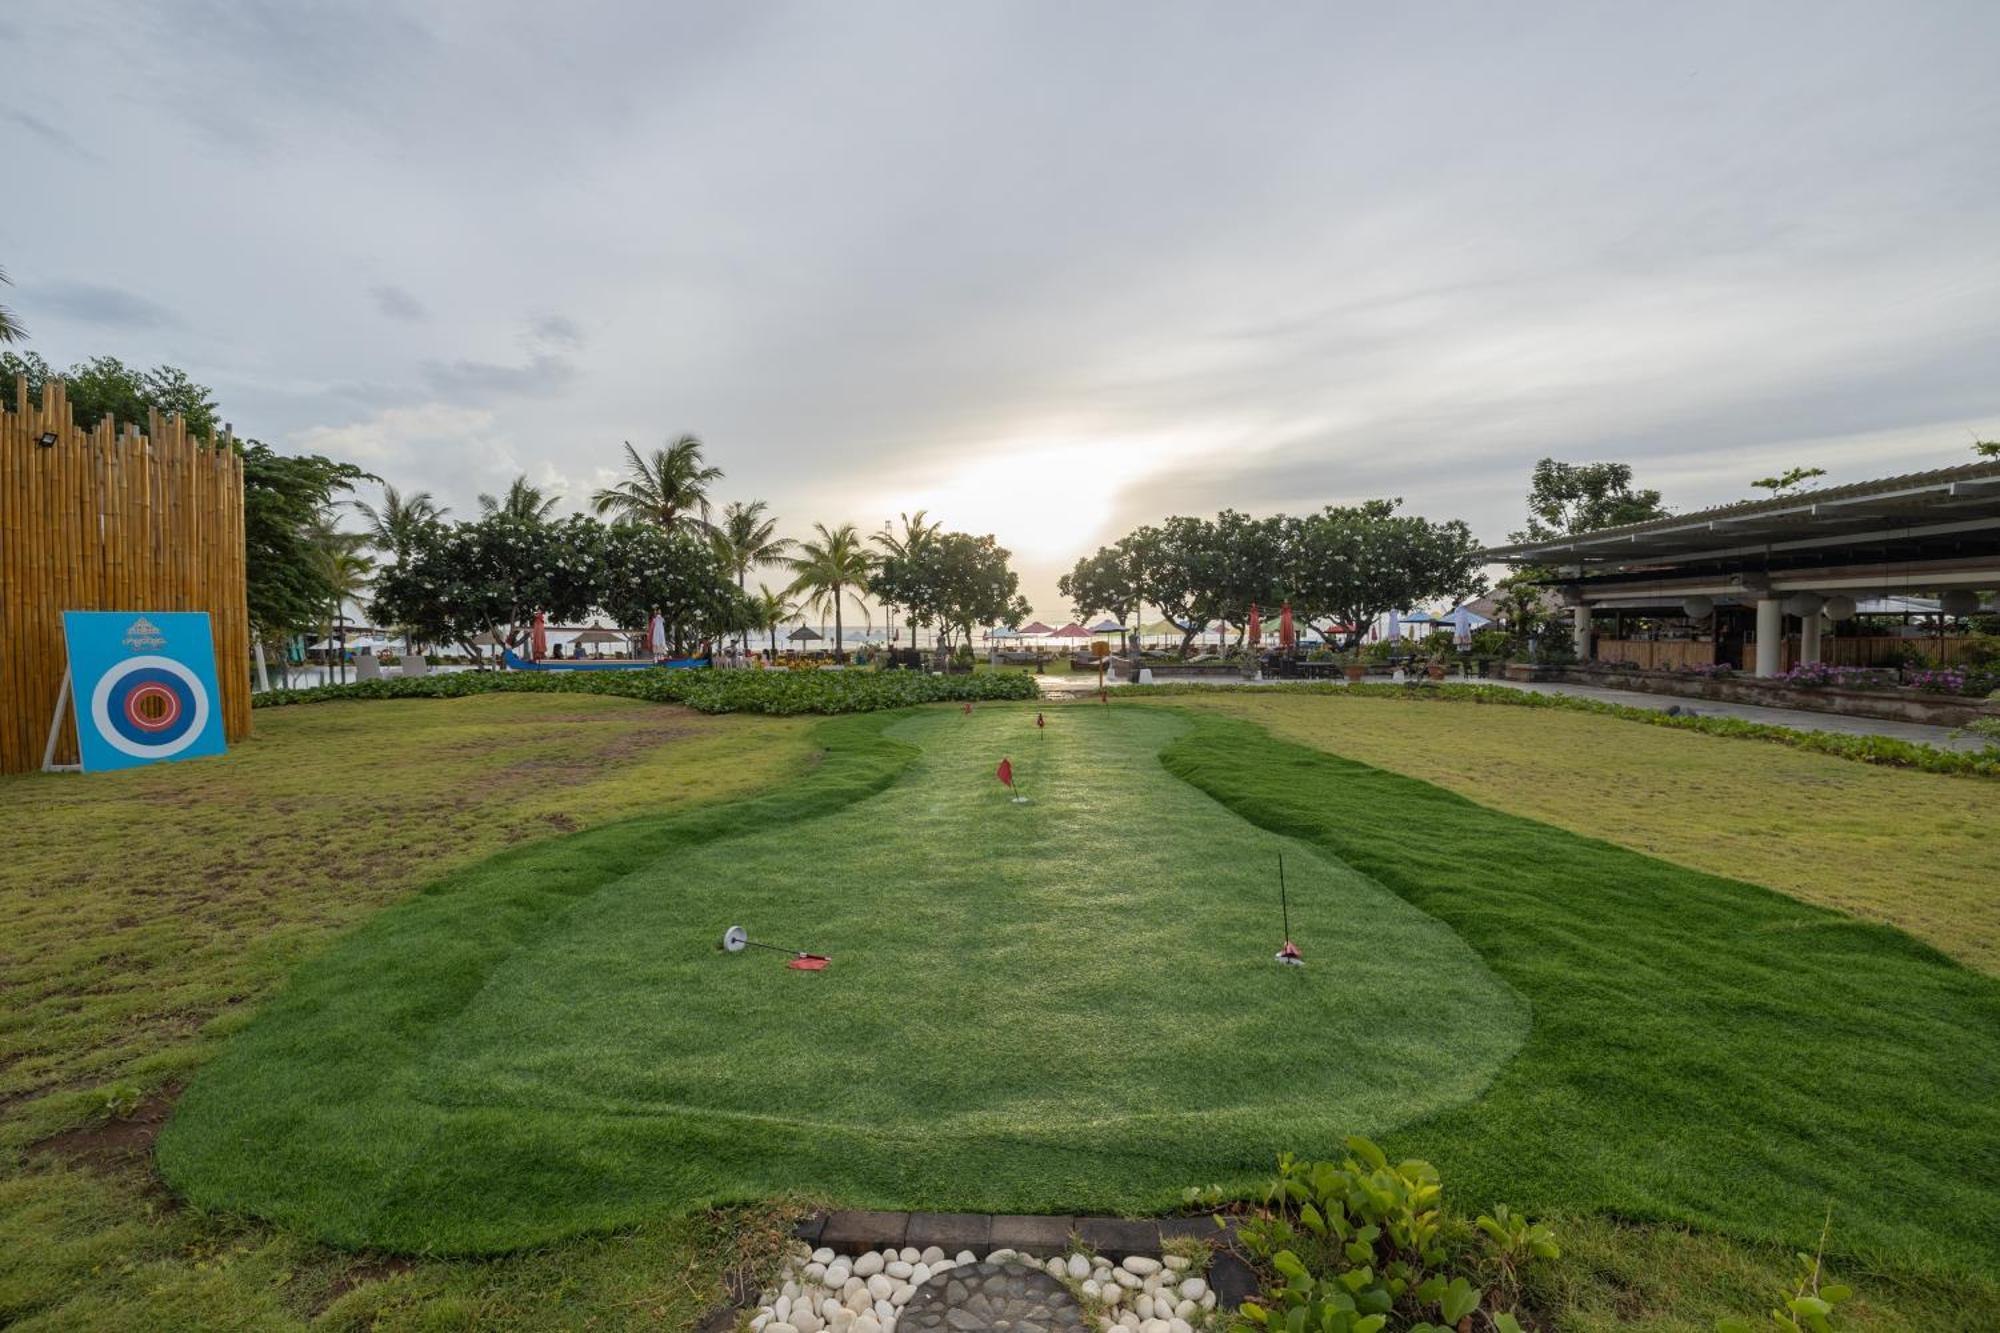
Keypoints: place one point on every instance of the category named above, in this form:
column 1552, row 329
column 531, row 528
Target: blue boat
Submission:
column 508, row 656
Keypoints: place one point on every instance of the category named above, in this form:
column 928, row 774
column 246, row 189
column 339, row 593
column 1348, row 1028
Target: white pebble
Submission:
column 805, row 1320
column 1079, row 1267
column 816, row 1271
column 1056, row 1268
column 1177, row 1262
column 843, row 1319
column 880, row 1285
column 782, row 1307
column 1144, row 1305
column 1001, row 1256
column 856, row 1297
column 1092, row 1290
column 1154, row 1326
column 822, row 1255
column 1140, row 1264
column 885, row 1312
column 1113, row 1293
column 1207, row 1302
column 1128, row 1320
column 1194, row 1288
column 867, row 1323
column 898, row 1269
column 910, row 1254
column 920, row 1274
column 902, row 1293
column 790, row 1289
column 1178, row 1325
column 1185, row 1310
column 757, row 1324
column 780, row 1327
column 965, row 1257
column 868, row 1264
column 931, row 1255
column 1129, row 1280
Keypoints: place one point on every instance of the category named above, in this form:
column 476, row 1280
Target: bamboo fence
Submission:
column 110, row 520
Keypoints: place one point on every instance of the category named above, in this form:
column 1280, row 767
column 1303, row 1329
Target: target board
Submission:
column 143, row 686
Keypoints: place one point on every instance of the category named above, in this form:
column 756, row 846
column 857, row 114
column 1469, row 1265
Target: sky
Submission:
column 1047, row 270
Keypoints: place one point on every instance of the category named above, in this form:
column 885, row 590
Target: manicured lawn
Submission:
column 1917, row 850
column 144, row 915
column 1067, row 1005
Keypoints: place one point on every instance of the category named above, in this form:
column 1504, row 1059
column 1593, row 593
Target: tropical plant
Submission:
column 668, row 489
column 747, row 537
column 10, row 328
column 523, row 500
column 1807, row 1306
column 104, row 387
column 769, row 610
column 827, row 571
column 396, row 521
column 1568, row 498
column 345, row 572
column 1788, row 481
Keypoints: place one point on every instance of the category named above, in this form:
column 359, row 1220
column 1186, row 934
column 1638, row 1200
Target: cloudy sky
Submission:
column 1046, row 269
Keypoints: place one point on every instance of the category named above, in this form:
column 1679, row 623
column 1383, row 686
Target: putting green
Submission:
column 1063, row 1005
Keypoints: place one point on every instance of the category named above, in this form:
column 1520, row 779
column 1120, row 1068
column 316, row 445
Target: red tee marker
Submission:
column 1038, row 722
column 1005, row 773
column 968, row 708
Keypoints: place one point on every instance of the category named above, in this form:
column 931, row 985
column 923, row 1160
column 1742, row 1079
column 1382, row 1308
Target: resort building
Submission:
column 1857, row 575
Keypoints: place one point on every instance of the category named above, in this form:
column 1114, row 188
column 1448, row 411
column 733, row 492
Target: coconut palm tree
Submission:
column 769, row 610
column 399, row 518
column 10, row 328
column 669, row 489
column 344, row 572
column 523, row 500
column 745, row 537
column 828, row 570
column 916, row 532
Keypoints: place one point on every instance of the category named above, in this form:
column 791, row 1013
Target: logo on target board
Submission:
column 144, row 686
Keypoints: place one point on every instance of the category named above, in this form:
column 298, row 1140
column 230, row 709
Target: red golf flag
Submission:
column 968, row 708
column 1006, row 773
column 1038, row 720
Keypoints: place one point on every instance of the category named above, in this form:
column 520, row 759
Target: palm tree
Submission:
column 745, row 537
column 669, row 489
column 770, row 610
column 828, row 570
column 916, row 532
column 344, row 571
column 523, row 500
column 393, row 525
column 10, row 328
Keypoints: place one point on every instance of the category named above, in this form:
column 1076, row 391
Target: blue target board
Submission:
column 143, row 685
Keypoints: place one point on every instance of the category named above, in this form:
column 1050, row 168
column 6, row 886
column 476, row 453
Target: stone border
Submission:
column 1114, row 1237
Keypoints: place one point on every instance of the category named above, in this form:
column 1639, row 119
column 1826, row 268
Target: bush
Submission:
column 1348, row 1247
column 780, row 693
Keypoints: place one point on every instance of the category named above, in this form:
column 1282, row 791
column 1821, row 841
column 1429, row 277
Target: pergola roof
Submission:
column 1915, row 516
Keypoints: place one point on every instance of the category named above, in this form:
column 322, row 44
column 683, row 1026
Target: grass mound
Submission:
column 1064, row 1004
column 781, row 693
column 1703, row 1051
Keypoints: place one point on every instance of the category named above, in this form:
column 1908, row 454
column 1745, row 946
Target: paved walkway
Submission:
column 1797, row 719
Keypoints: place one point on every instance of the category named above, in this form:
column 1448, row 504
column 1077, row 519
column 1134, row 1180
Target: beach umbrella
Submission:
column 1461, row 627
column 539, row 640
column 1288, row 637
column 1070, row 631
column 1254, row 631
column 1035, row 629
column 804, row 634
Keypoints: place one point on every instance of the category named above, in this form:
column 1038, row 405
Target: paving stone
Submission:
column 1232, row 1280
column 808, row 1230
column 952, row 1232
column 849, row 1232
column 1042, row 1236
column 992, row 1298
column 1117, row 1238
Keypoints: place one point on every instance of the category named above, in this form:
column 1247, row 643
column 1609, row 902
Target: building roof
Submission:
column 1915, row 513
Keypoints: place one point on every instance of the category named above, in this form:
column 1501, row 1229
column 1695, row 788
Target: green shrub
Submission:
column 781, row 693
column 1351, row 1247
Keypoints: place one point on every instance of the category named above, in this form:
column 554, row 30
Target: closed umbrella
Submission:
column 1288, row 637
column 656, row 634
column 1461, row 627
column 538, row 642
column 1395, row 631
column 1254, row 631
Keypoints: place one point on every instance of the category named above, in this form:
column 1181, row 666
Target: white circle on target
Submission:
column 100, row 708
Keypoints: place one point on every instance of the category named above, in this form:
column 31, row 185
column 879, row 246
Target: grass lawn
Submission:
column 144, row 914
column 1064, row 1005
column 1916, row 850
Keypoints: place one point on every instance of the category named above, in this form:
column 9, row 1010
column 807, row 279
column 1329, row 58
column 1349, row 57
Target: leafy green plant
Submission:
column 1807, row 1306
column 1362, row 1245
column 119, row 1100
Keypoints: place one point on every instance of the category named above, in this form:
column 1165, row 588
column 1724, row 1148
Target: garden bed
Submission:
column 1942, row 710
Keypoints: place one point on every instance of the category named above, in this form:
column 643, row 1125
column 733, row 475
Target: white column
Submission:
column 1809, row 632
column 1770, row 634
column 1581, row 633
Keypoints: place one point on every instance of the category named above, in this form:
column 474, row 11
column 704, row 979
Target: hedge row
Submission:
column 777, row 692
column 1883, row 750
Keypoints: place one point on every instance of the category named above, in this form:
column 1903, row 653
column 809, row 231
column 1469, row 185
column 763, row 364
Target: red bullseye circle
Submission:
column 169, row 710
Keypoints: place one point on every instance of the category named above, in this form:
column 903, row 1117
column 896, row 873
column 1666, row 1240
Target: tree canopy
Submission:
column 105, row 386
column 284, row 496
column 1567, row 498
column 953, row 581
